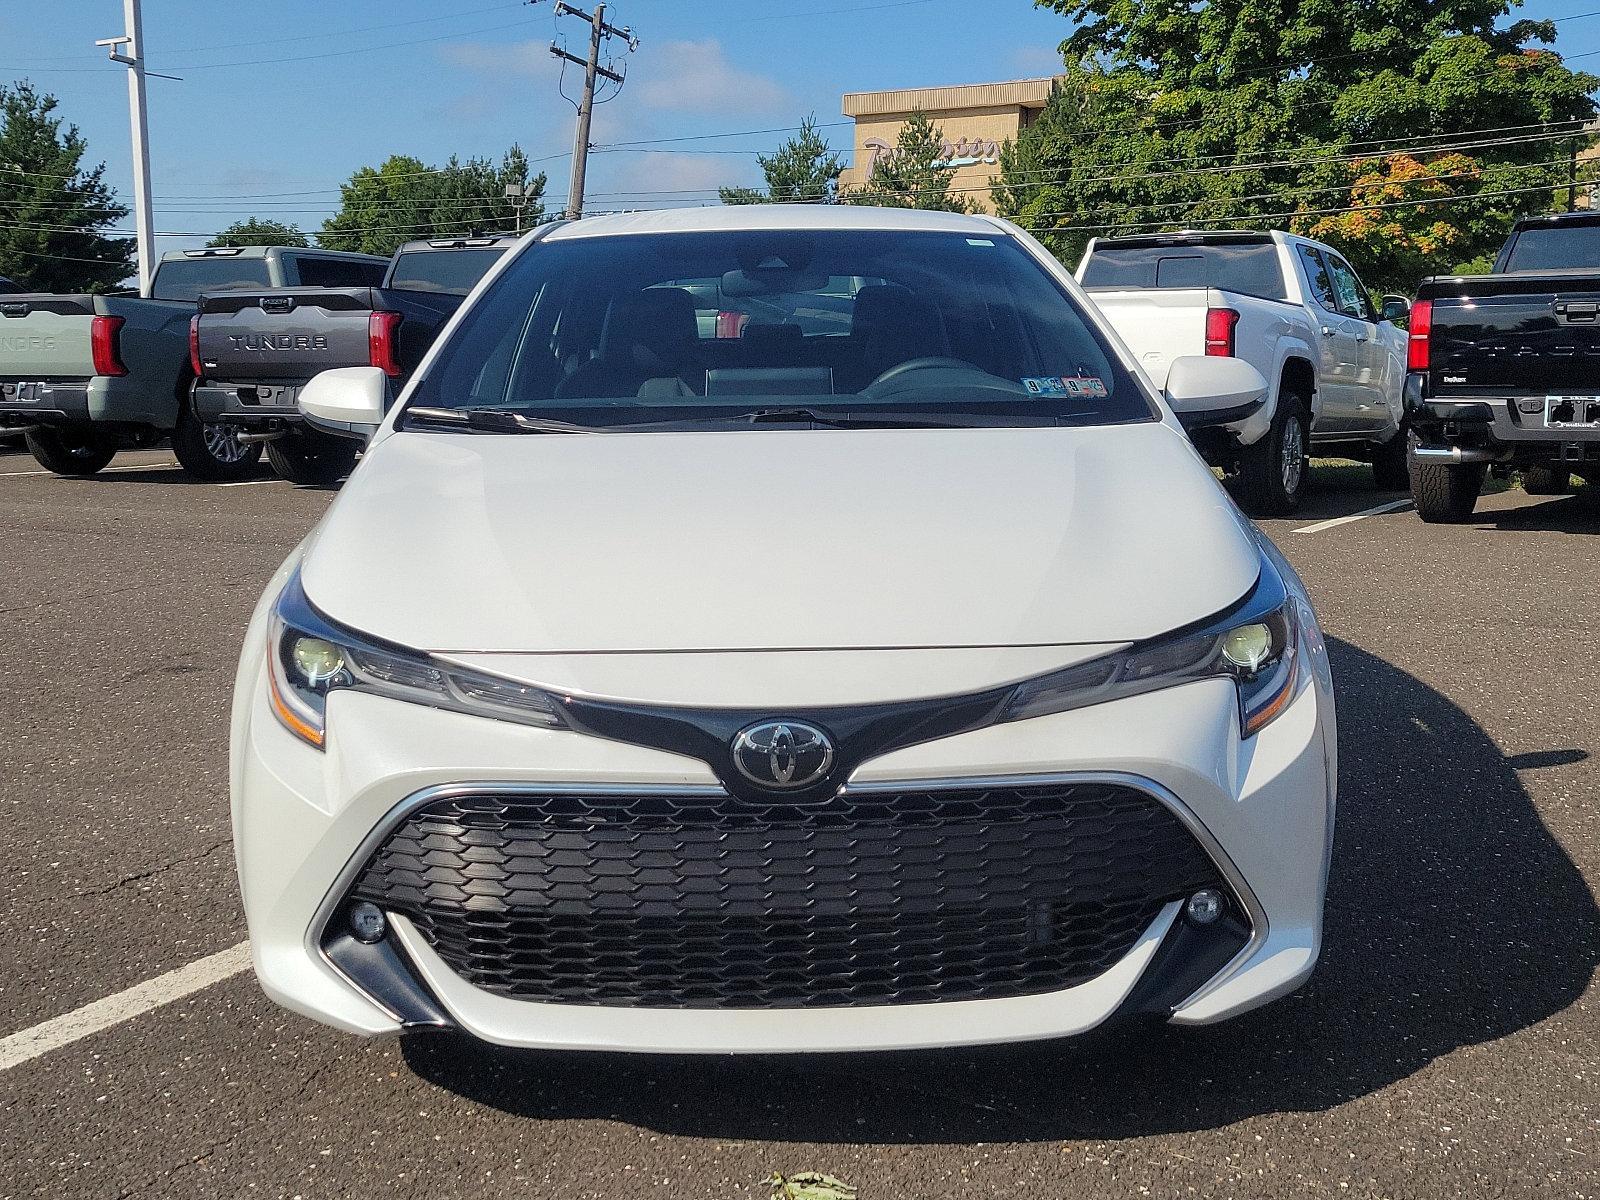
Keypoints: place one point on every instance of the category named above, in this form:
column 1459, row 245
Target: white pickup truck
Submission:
column 1292, row 308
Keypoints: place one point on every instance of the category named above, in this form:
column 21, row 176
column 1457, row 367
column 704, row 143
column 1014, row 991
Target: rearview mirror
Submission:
column 1203, row 391
column 1396, row 309
column 347, row 401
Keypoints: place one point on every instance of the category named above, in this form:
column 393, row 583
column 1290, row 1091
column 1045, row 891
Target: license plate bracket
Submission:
column 1571, row 412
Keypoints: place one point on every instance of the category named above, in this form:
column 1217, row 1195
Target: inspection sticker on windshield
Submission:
column 1066, row 385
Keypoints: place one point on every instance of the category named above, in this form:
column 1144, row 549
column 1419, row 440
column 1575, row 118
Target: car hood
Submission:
column 779, row 540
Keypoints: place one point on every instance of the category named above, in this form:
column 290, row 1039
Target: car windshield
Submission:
column 1250, row 268
column 634, row 329
column 185, row 279
column 1556, row 248
column 453, row 272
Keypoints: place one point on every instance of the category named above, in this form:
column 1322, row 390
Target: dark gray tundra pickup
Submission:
column 84, row 376
column 255, row 349
column 1503, row 370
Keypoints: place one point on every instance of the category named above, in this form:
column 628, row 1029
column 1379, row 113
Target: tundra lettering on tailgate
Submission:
column 278, row 341
column 22, row 343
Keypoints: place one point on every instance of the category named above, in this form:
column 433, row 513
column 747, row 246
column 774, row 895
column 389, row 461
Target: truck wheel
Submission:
column 1546, row 481
column 72, row 451
column 312, row 458
column 213, row 453
column 1272, row 472
column 1446, row 493
column 1390, row 472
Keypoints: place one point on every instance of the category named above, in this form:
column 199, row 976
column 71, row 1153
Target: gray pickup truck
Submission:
column 256, row 348
column 85, row 376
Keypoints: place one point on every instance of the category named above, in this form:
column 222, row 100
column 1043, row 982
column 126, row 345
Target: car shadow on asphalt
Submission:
column 1579, row 513
column 1454, row 918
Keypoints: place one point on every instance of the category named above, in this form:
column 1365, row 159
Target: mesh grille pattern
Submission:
column 712, row 902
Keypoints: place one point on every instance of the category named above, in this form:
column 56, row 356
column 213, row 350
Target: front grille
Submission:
column 707, row 901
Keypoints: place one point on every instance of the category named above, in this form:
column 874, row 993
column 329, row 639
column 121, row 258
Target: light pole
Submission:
column 132, row 45
column 518, row 196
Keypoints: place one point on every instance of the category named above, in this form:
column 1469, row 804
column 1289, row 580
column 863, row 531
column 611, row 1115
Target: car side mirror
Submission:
column 1396, row 310
column 347, row 401
column 1204, row 391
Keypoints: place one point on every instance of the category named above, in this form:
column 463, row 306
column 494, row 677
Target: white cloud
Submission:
column 622, row 180
column 1038, row 61
column 697, row 77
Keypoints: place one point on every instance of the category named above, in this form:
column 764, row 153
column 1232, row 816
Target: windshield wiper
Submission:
column 842, row 420
column 491, row 420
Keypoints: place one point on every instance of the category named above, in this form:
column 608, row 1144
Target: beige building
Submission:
column 976, row 119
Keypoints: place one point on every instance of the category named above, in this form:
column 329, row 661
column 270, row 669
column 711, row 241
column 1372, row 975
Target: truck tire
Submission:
column 307, row 457
column 72, row 451
column 1391, row 471
column 1273, row 471
column 212, row 453
column 1446, row 493
column 1546, row 481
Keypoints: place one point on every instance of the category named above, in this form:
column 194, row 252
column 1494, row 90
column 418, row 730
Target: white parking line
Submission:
column 60, row 1031
column 103, row 470
column 1392, row 506
column 248, row 482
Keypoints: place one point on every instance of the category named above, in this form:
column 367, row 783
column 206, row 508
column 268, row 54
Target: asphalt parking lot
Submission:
column 1448, row 1046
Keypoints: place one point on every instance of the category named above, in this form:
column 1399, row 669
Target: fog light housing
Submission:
column 1205, row 907
column 367, row 922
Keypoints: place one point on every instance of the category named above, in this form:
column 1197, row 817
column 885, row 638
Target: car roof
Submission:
column 1580, row 217
column 465, row 241
column 266, row 252
column 738, row 217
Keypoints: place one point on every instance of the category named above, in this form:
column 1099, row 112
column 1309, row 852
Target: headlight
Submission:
column 309, row 657
column 1257, row 645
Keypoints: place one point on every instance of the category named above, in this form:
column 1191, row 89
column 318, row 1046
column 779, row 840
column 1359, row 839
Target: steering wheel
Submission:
column 928, row 362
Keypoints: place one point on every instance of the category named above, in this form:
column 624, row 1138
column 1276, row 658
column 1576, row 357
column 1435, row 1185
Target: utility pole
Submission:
column 132, row 56
column 599, row 31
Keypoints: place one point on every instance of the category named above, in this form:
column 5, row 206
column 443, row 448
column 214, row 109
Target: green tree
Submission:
column 404, row 198
column 1286, row 113
column 53, row 211
column 260, row 231
column 802, row 170
column 910, row 176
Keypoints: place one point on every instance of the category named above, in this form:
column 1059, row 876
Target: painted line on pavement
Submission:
column 60, row 1031
column 102, row 471
column 1392, row 506
column 248, row 482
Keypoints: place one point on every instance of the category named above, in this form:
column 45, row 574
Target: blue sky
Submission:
column 244, row 126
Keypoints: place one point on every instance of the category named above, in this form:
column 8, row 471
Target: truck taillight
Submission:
column 1418, row 354
column 1219, row 331
column 105, row 345
column 382, row 350
column 194, row 346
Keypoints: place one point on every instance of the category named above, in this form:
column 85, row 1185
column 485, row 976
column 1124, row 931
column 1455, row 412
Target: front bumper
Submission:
column 307, row 822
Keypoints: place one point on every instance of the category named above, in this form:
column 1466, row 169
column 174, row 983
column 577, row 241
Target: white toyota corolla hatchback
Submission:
column 781, row 629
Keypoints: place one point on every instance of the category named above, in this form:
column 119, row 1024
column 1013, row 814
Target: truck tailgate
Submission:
column 45, row 337
column 1519, row 334
column 283, row 333
column 1158, row 324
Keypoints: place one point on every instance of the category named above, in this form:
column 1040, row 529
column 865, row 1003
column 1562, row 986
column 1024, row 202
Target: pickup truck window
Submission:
column 1317, row 277
column 186, row 278
column 1250, row 269
column 1558, row 248
column 452, row 272
column 942, row 328
column 338, row 272
column 1353, row 300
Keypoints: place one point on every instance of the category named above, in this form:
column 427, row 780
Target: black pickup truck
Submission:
column 253, row 351
column 1503, row 370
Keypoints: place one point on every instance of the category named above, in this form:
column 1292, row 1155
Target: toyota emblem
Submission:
column 782, row 754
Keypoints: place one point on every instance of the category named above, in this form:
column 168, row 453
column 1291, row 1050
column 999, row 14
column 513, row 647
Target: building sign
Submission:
column 963, row 152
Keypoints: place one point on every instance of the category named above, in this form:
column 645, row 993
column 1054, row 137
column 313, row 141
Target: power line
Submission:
column 1257, row 218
